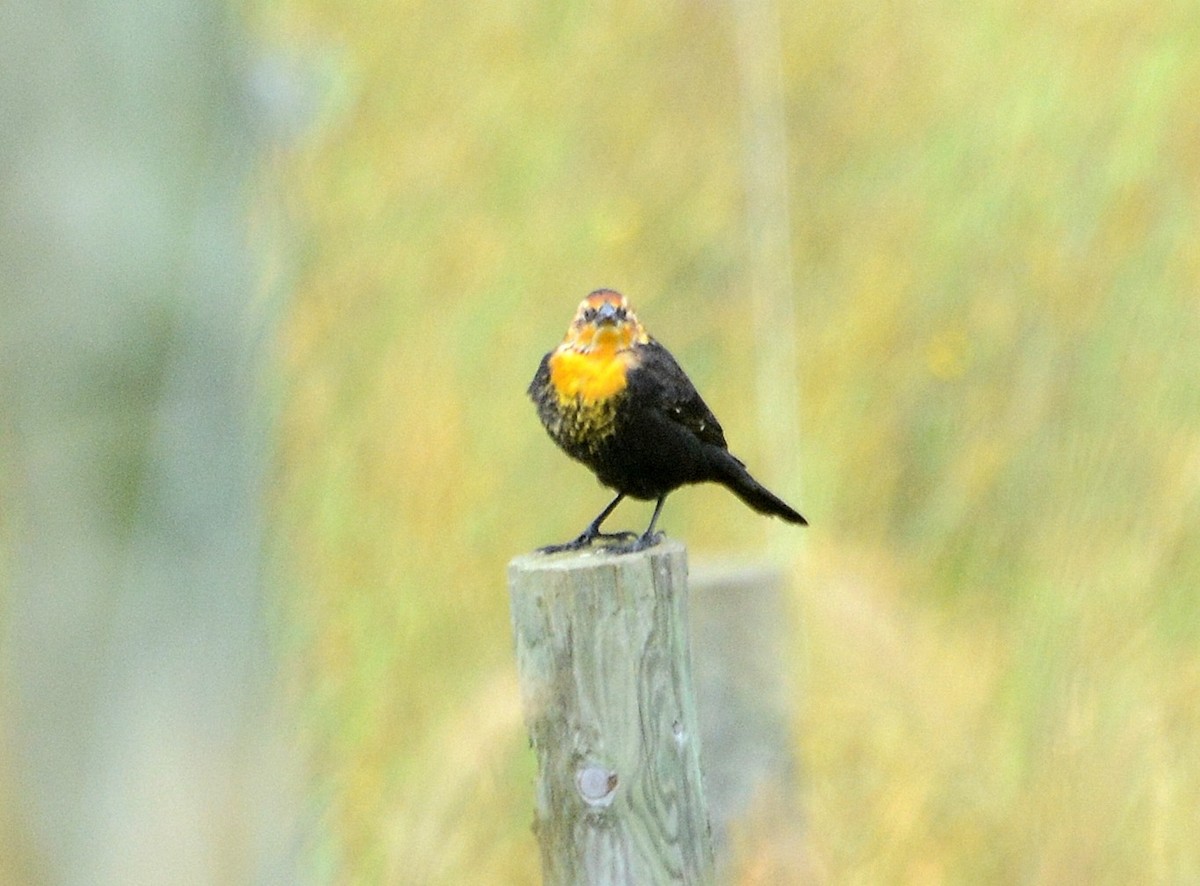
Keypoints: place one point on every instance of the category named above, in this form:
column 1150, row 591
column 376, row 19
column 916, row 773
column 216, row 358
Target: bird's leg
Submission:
column 647, row 539
column 592, row 532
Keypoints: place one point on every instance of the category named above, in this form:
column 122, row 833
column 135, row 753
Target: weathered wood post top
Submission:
column 605, row 673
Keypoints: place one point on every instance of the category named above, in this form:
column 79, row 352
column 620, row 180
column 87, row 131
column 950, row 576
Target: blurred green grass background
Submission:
column 996, row 239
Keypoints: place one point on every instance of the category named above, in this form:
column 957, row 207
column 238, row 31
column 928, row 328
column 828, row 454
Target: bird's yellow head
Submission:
column 604, row 324
column 590, row 367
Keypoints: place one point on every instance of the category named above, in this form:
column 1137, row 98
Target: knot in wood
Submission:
column 596, row 784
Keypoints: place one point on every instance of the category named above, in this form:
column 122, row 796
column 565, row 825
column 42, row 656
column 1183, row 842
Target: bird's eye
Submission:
column 589, row 314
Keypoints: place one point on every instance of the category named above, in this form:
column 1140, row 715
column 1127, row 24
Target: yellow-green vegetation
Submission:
column 996, row 232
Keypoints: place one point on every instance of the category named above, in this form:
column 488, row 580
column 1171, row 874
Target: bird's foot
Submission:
column 585, row 539
column 573, row 545
column 634, row 543
column 617, row 536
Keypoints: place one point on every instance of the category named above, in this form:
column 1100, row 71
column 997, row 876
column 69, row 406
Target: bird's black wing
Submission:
column 675, row 394
column 541, row 378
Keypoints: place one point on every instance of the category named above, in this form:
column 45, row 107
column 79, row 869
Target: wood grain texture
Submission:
column 605, row 673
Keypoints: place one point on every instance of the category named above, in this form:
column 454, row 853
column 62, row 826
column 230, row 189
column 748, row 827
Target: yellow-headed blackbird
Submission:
column 615, row 399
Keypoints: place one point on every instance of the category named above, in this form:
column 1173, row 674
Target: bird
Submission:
column 615, row 399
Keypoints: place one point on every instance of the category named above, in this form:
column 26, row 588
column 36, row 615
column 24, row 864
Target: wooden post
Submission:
column 603, row 660
column 142, row 732
column 742, row 634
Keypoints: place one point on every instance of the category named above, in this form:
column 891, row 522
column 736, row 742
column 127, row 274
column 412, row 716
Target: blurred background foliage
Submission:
column 996, row 241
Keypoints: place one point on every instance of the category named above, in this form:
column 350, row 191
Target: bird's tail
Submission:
column 731, row 473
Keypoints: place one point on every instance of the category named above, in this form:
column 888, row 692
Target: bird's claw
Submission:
column 637, row 543
column 585, row 539
column 617, row 536
column 572, row 545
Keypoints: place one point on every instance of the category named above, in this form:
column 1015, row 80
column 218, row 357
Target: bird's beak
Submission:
column 606, row 314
